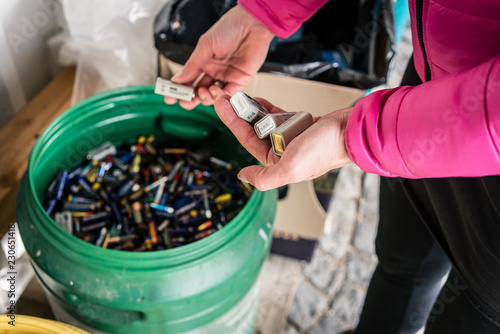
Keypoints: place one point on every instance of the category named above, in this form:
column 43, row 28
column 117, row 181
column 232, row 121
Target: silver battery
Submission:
column 270, row 122
column 288, row 130
column 168, row 88
column 64, row 219
column 247, row 108
column 101, row 151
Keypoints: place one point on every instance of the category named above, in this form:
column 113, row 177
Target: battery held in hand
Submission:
column 168, row 88
column 247, row 108
column 270, row 122
column 288, row 130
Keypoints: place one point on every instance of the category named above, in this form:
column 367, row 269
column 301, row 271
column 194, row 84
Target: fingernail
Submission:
column 213, row 92
column 202, row 96
column 176, row 76
column 242, row 178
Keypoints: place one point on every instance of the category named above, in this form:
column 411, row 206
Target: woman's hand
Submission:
column 229, row 53
column 314, row 152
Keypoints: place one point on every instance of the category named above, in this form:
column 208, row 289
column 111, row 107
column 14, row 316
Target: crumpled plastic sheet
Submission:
column 110, row 42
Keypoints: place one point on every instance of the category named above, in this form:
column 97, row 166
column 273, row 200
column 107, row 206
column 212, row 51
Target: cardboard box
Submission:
column 300, row 218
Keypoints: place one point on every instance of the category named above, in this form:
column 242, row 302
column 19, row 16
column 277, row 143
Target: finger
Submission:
column 205, row 81
column 216, row 91
column 203, row 92
column 265, row 178
column 233, row 74
column 209, row 91
column 189, row 105
column 205, row 96
column 232, row 88
column 170, row 100
column 242, row 130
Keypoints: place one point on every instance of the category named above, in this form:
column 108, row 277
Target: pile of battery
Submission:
column 144, row 195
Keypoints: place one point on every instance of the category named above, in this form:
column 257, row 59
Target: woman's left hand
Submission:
column 314, row 152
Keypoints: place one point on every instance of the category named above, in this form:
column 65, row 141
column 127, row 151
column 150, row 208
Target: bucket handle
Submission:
column 96, row 313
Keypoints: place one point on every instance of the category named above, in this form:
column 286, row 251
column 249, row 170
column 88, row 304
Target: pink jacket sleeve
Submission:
column 443, row 128
column 282, row 17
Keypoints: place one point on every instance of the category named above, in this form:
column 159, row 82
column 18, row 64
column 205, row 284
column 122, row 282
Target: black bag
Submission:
column 348, row 43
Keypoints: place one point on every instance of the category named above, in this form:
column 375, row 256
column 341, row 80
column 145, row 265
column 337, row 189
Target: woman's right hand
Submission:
column 229, row 53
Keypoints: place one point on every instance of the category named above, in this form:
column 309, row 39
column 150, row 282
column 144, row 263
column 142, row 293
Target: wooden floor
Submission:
column 21, row 133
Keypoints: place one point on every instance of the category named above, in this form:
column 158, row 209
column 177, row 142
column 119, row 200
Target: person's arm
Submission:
column 282, row 17
column 443, row 128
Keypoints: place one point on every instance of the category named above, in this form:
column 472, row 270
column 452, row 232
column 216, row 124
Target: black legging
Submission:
column 427, row 228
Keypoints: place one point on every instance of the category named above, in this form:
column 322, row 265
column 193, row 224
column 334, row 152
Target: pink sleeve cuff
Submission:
column 282, row 17
column 371, row 143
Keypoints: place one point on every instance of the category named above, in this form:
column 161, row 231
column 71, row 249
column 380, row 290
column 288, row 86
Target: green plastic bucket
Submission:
column 203, row 287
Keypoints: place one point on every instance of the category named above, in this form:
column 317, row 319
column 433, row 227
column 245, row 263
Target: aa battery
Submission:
column 291, row 128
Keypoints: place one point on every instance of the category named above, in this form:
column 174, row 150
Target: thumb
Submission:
column 263, row 178
column 187, row 75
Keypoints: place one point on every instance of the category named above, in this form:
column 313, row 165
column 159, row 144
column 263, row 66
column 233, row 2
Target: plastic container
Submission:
column 32, row 325
column 187, row 289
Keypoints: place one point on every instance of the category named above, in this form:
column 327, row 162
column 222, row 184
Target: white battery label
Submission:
column 269, row 122
column 247, row 108
column 266, row 126
column 240, row 104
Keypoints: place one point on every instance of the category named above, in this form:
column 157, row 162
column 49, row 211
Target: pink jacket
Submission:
column 449, row 126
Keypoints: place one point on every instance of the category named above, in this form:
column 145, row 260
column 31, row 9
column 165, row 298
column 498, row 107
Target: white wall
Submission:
column 25, row 62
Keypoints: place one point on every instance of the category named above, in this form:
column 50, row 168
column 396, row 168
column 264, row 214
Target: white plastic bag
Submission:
column 111, row 42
